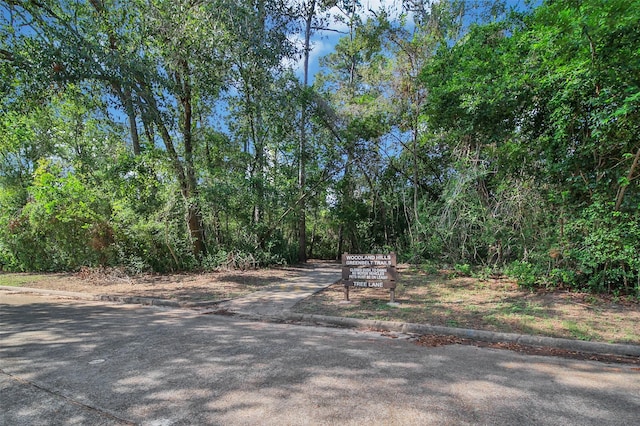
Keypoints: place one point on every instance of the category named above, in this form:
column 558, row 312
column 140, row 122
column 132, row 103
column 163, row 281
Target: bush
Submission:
column 63, row 225
column 463, row 270
column 605, row 249
column 526, row 274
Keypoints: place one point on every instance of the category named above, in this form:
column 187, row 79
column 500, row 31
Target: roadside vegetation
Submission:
column 25, row 279
column 452, row 298
column 495, row 303
column 173, row 136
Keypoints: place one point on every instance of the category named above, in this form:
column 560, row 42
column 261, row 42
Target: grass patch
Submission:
column 494, row 304
column 579, row 331
column 21, row 280
column 199, row 287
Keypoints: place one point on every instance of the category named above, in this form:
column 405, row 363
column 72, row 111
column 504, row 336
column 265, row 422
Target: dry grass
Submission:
column 209, row 286
column 495, row 304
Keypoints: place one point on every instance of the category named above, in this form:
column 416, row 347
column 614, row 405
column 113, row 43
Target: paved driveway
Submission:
column 72, row 362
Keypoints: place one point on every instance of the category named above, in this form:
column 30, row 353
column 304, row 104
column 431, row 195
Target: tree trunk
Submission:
column 133, row 126
column 124, row 95
column 185, row 173
column 622, row 189
column 302, row 223
column 190, row 192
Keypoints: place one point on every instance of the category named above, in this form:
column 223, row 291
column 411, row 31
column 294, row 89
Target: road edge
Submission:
column 601, row 348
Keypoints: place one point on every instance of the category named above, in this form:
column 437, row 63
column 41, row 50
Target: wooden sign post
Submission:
column 369, row 271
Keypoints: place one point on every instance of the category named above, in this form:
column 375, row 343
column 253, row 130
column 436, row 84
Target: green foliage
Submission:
column 525, row 273
column 485, row 142
column 64, row 225
column 463, row 270
column 606, row 249
column 543, row 131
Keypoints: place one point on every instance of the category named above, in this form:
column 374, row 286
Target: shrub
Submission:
column 605, row 249
column 526, row 274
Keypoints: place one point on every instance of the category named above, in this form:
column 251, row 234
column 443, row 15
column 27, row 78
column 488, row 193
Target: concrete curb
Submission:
column 399, row 327
column 479, row 335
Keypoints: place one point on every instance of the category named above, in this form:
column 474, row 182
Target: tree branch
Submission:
column 622, row 189
column 6, row 55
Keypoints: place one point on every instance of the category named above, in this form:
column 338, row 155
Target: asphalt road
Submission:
column 73, row 362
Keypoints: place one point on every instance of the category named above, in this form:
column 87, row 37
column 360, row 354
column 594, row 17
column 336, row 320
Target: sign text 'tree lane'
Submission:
column 370, row 284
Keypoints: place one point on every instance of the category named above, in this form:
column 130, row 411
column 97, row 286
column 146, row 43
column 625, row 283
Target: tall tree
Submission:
column 353, row 82
column 309, row 16
column 257, row 63
column 165, row 71
column 315, row 18
column 549, row 97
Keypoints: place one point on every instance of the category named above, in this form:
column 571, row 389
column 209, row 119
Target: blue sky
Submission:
column 324, row 42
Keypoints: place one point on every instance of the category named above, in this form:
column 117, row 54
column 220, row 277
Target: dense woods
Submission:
column 163, row 135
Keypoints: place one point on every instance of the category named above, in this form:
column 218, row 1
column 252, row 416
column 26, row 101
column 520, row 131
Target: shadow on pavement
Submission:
column 80, row 363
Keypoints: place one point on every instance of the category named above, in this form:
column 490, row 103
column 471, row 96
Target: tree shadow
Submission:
column 148, row 365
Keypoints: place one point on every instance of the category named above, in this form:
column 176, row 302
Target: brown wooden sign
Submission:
column 369, row 271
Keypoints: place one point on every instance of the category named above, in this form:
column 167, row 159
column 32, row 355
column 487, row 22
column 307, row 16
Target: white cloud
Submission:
column 319, row 47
